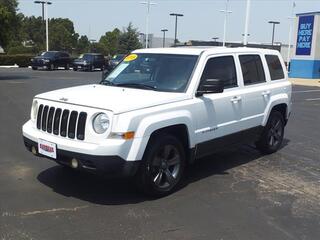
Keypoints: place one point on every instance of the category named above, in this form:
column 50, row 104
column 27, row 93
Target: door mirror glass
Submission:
column 210, row 86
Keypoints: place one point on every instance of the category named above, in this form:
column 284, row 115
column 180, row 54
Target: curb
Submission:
column 12, row 66
column 306, row 82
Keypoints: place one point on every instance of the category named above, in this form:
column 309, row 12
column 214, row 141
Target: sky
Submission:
column 202, row 19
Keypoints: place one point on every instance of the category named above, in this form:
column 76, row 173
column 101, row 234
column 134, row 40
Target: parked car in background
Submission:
column 115, row 60
column 51, row 60
column 89, row 62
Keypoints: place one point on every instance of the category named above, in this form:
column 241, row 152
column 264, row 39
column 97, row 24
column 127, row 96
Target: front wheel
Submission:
column 163, row 166
column 272, row 136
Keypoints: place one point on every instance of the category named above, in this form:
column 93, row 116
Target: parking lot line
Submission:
column 313, row 99
column 306, row 91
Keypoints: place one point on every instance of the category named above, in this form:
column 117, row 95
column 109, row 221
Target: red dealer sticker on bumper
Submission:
column 48, row 149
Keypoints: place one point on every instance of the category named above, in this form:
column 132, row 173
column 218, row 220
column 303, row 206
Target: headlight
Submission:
column 85, row 63
column 46, row 60
column 34, row 110
column 101, row 123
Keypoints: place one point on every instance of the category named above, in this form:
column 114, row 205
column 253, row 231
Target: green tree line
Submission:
column 21, row 34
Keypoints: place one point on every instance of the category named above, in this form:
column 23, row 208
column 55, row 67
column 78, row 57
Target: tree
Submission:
column 62, row 35
column 83, row 44
column 110, row 42
column 9, row 21
column 129, row 40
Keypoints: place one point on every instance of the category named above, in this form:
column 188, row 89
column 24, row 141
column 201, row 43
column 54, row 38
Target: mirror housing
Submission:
column 210, row 86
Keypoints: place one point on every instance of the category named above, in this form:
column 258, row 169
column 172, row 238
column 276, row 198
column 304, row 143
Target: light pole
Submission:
column 45, row 3
column 246, row 28
column 148, row 3
column 215, row 39
column 164, row 36
column 291, row 18
column 226, row 12
column 176, row 25
column 274, row 23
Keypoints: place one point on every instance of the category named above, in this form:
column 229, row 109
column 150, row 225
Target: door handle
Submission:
column 266, row 93
column 236, row 99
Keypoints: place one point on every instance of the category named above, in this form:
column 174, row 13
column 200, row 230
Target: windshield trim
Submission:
column 188, row 81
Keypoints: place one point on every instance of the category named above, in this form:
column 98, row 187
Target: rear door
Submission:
column 255, row 90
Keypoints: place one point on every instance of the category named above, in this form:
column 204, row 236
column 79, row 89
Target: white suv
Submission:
column 161, row 109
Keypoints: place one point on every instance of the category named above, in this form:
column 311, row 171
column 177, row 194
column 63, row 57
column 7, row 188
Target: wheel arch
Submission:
column 280, row 104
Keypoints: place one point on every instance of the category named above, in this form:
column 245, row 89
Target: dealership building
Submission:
column 305, row 60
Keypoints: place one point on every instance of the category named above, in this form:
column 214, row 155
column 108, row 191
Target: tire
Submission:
column 162, row 167
column 75, row 69
column 272, row 136
column 90, row 68
column 34, row 68
column 51, row 67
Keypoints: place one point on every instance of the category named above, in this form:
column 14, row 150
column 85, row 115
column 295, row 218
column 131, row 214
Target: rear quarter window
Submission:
column 275, row 67
column 252, row 69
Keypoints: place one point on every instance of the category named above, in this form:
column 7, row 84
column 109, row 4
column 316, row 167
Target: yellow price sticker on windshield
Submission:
column 131, row 57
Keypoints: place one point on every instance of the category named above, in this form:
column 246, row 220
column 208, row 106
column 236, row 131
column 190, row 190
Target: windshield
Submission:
column 48, row 54
column 161, row 72
column 118, row 57
column 88, row 57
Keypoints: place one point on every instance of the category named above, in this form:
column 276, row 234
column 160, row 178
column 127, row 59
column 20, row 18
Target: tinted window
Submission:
column 252, row 69
column 162, row 72
column 222, row 68
column 275, row 68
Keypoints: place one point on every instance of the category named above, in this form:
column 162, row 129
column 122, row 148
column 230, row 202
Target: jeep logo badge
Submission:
column 64, row 99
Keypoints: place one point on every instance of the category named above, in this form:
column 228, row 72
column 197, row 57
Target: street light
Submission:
column 246, row 28
column 226, row 12
column 164, row 36
column 148, row 3
column 291, row 18
column 274, row 23
column 176, row 25
column 46, row 3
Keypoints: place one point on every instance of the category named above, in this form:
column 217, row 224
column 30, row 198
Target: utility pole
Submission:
column 45, row 12
column 164, row 36
column 246, row 28
column 148, row 3
column 176, row 15
column 274, row 23
column 226, row 12
column 291, row 18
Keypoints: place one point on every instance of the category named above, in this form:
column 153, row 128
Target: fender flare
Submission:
column 156, row 122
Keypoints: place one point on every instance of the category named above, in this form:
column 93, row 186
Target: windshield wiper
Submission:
column 137, row 85
column 106, row 82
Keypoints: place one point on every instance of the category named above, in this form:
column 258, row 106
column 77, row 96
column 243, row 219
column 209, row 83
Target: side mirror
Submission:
column 210, row 86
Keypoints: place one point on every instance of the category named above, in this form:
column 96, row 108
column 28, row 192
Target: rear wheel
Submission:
column 272, row 135
column 163, row 166
column 75, row 69
column 34, row 68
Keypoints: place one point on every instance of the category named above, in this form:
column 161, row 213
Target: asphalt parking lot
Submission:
column 238, row 194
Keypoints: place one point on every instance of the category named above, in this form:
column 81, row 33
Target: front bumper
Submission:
column 113, row 166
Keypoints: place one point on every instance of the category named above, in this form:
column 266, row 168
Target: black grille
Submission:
column 61, row 122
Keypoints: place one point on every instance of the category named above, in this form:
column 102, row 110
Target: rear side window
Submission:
column 221, row 68
column 252, row 69
column 275, row 67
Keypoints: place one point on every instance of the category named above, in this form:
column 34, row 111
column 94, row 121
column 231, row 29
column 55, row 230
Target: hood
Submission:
column 115, row 99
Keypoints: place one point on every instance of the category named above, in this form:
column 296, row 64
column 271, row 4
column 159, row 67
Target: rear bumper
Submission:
column 113, row 166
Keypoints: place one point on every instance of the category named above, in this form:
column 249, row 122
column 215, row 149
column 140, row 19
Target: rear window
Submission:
column 275, row 67
column 252, row 69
